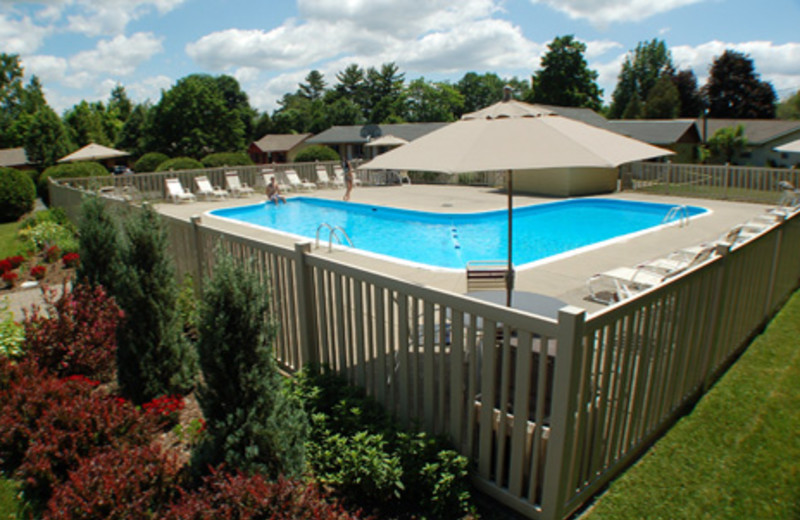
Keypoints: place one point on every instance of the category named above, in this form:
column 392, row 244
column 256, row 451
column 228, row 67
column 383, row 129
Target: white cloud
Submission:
column 119, row 56
column 598, row 48
column 48, row 69
column 21, row 36
column 604, row 12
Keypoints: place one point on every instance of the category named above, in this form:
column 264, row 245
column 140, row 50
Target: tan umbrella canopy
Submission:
column 387, row 140
column 792, row 147
column 93, row 152
column 514, row 136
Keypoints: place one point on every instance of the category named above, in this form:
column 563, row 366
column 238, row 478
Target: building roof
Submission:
column 757, row 131
column 93, row 152
column 658, row 131
column 584, row 115
column 280, row 142
column 362, row 134
column 10, row 157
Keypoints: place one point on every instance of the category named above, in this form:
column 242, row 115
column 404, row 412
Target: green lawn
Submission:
column 8, row 499
column 737, row 455
column 9, row 245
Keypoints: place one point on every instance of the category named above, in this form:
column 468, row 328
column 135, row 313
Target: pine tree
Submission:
column 99, row 245
column 253, row 423
column 153, row 356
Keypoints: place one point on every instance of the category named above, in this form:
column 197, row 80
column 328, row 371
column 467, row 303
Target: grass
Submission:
column 8, row 499
column 9, row 245
column 737, row 455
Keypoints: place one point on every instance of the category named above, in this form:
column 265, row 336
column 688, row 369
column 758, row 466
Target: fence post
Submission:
column 711, row 339
column 726, row 181
column 569, row 359
column 199, row 253
column 668, row 173
column 305, row 307
column 774, row 268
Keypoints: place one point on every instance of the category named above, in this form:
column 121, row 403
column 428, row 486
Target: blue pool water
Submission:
column 450, row 240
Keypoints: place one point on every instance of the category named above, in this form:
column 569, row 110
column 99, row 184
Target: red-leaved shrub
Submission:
column 79, row 428
column 130, row 483
column 16, row 261
column 38, row 271
column 5, row 266
column 75, row 333
column 26, row 394
column 165, row 409
column 71, row 260
column 244, row 497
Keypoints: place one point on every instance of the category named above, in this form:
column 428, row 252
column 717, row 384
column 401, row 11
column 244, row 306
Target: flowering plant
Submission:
column 51, row 254
column 9, row 277
column 38, row 271
column 71, row 259
column 165, row 408
column 5, row 265
column 16, row 260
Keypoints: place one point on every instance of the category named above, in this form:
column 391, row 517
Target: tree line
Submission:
column 203, row 114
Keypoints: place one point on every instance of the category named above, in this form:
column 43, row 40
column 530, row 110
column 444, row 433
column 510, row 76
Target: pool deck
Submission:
column 564, row 278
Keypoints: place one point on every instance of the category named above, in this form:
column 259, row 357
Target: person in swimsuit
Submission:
column 274, row 192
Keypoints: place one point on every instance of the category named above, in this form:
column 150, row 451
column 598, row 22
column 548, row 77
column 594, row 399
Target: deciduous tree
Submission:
column 640, row 71
column 734, row 90
column 565, row 78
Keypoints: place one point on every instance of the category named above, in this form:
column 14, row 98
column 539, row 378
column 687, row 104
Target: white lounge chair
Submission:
column 236, row 187
column 206, row 190
column 296, row 183
column 790, row 195
column 267, row 173
column 323, row 181
column 176, row 193
column 625, row 282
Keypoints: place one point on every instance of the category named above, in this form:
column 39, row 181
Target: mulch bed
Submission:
column 55, row 275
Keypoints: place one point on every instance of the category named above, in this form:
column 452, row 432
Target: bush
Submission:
column 218, row 160
column 179, row 163
column 66, row 171
column 149, row 162
column 17, row 194
column 79, row 428
column 153, row 356
column 317, row 152
column 56, row 215
column 75, row 333
column 48, row 234
column 253, row 424
column 129, row 483
column 251, row 497
column 12, row 334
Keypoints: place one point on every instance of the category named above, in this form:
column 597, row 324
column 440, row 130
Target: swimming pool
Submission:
column 450, row 240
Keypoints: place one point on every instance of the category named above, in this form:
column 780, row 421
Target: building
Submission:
column 351, row 141
column 682, row 136
column 15, row 158
column 762, row 135
column 277, row 148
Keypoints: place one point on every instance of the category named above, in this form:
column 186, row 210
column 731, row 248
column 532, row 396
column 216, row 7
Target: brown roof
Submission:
column 10, row 157
column 280, row 142
column 757, row 131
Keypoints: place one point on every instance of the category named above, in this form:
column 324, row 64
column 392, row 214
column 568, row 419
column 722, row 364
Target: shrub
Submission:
column 71, row 260
column 74, row 333
column 57, row 215
column 244, row 497
column 12, row 334
column 98, row 245
column 179, row 163
column 10, row 278
column 6, row 266
column 38, row 271
column 253, row 424
column 17, row 194
column 129, row 483
column 66, row 171
column 164, row 409
column 218, row 160
column 48, row 234
column 153, row 356
column 149, row 162
column 26, row 393
column 79, row 428
column 317, row 152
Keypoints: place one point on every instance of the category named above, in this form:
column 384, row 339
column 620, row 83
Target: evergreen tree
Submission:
column 153, row 356
column 663, row 100
column 640, row 71
column 99, row 247
column 565, row 78
column 46, row 139
column 253, row 423
column 480, row 90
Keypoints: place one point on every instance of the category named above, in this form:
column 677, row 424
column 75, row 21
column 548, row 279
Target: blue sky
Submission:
column 81, row 49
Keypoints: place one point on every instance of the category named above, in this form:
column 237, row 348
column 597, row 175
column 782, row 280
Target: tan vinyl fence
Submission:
column 711, row 181
column 548, row 410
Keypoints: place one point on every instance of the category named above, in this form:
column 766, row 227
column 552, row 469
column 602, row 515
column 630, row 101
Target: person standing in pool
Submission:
column 274, row 192
column 348, row 179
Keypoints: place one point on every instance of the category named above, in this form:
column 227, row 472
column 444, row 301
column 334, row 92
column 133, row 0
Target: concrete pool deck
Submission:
column 564, row 278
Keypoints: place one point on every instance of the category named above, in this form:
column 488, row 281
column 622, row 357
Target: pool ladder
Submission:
column 333, row 232
column 681, row 212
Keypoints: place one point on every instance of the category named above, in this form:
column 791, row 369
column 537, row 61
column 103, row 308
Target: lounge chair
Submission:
column 176, row 193
column 296, row 183
column 324, row 181
column 790, row 196
column 267, row 173
column 625, row 282
column 206, row 190
column 236, row 187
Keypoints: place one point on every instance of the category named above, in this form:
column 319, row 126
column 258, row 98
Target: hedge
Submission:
column 17, row 194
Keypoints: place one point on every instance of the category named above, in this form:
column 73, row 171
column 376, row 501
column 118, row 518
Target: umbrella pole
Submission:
column 510, row 272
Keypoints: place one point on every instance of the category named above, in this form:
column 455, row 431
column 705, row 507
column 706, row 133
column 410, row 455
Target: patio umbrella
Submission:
column 92, row 152
column 387, row 140
column 791, row 147
column 513, row 136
